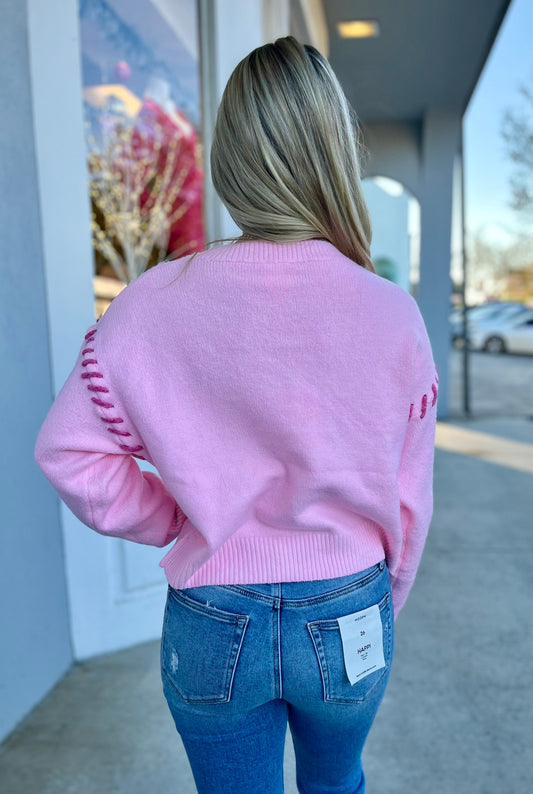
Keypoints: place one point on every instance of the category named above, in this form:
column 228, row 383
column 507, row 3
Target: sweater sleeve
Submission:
column 85, row 448
column 415, row 478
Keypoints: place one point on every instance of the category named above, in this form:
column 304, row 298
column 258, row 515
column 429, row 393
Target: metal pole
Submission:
column 209, row 102
column 466, row 352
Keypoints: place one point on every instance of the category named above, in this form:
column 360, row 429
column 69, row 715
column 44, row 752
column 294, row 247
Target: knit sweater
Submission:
column 287, row 399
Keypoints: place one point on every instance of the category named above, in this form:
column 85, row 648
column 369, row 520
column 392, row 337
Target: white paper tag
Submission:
column 362, row 643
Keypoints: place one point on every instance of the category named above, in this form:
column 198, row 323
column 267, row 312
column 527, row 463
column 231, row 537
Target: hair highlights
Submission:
column 285, row 158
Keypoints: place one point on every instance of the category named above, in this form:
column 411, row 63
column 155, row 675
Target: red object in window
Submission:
column 155, row 124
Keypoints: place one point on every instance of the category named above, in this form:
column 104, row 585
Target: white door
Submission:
column 116, row 590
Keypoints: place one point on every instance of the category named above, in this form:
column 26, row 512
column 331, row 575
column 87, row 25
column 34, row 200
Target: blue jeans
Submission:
column 240, row 661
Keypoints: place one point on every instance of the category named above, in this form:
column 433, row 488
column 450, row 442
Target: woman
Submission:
column 286, row 395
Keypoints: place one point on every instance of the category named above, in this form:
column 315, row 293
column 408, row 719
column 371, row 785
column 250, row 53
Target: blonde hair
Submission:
column 285, row 157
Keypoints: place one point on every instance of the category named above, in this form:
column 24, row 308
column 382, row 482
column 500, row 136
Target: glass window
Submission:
column 141, row 97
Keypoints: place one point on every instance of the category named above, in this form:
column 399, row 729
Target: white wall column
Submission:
column 276, row 19
column 54, row 53
column 230, row 30
column 34, row 621
column 440, row 140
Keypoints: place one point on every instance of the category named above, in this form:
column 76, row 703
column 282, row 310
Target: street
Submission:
column 500, row 385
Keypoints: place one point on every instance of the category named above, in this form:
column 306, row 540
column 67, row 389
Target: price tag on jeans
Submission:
column 362, row 643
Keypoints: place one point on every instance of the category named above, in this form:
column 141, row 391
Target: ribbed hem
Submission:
column 287, row 558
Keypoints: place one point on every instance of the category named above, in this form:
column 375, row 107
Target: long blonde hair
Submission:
column 286, row 151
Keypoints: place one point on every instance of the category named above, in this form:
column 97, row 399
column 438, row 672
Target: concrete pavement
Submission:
column 457, row 714
column 500, row 385
column 456, row 717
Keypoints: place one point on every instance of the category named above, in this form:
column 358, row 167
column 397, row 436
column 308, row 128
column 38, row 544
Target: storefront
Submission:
column 111, row 107
column 140, row 71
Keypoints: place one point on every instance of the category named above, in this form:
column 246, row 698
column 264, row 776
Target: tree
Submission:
column 500, row 271
column 517, row 132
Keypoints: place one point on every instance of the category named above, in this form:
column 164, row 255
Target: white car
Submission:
column 507, row 335
column 494, row 311
column 504, row 312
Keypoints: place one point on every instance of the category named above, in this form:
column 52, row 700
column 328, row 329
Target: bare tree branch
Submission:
column 517, row 133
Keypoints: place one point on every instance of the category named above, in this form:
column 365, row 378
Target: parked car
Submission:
column 493, row 312
column 456, row 314
column 511, row 334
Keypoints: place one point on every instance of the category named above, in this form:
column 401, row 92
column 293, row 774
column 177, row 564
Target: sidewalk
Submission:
column 455, row 716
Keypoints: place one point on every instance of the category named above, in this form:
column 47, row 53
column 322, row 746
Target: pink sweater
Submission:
column 285, row 395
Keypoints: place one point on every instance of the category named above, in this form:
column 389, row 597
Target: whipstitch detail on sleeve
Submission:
column 112, row 420
column 424, row 400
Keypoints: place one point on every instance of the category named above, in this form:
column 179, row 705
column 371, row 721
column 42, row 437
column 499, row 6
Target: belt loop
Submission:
column 381, row 565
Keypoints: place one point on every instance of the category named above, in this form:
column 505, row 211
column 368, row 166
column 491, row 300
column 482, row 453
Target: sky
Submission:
column 487, row 169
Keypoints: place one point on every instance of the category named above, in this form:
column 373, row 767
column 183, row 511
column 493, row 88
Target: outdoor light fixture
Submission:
column 358, row 29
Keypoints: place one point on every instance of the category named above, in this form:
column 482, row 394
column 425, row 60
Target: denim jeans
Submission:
column 240, row 661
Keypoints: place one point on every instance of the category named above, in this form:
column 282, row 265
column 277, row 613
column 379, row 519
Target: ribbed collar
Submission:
column 266, row 251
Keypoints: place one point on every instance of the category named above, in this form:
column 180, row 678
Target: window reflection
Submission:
column 141, row 94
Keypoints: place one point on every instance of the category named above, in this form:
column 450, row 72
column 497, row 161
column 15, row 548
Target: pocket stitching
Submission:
column 205, row 609
column 331, row 624
column 240, row 624
column 323, row 668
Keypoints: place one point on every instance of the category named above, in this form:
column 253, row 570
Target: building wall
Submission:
column 394, row 152
column 390, row 229
column 239, row 28
column 421, row 157
column 45, row 300
column 36, row 648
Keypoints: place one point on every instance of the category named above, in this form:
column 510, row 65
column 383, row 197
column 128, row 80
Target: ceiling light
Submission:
column 358, row 29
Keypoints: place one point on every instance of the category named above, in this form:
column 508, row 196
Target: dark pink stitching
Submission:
column 131, row 449
column 102, row 402
column 112, row 420
column 424, row 401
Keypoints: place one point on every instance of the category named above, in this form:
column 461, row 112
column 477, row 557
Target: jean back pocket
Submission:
column 200, row 648
column 327, row 641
